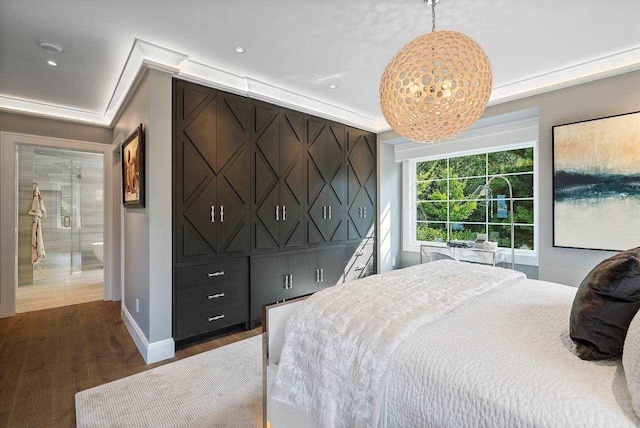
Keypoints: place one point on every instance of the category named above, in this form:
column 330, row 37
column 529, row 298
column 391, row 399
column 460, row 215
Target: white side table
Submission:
column 429, row 253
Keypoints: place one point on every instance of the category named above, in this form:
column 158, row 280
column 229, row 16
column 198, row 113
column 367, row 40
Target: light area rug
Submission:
column 218, row 388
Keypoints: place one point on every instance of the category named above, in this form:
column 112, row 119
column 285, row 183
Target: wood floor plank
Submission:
column 33, row 402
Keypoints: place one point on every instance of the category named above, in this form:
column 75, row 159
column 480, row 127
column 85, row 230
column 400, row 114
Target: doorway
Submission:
column 69, row 268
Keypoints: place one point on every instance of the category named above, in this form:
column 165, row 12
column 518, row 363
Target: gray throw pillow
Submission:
column 606, row 302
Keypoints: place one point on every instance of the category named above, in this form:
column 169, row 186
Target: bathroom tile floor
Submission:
column 81, row 287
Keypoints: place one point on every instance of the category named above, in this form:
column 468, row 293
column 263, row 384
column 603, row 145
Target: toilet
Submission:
column 97, row 250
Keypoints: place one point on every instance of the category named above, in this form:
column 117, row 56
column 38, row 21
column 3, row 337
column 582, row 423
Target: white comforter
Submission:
column 339, row 343
column 506, row 360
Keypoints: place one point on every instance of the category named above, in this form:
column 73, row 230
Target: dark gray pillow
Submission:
column 604, row 306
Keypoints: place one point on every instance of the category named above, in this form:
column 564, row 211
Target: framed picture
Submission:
column 133, row 188
column 596, row 183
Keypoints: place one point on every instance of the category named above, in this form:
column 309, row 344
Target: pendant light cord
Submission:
column 433, row 13
column 433, row 16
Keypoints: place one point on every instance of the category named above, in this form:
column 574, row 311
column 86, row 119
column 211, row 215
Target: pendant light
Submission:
column 436, row 86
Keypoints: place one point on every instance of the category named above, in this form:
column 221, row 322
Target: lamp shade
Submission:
column 436, row 86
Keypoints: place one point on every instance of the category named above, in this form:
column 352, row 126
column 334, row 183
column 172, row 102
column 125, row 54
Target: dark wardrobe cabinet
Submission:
column 269, row 204
column 277, row 179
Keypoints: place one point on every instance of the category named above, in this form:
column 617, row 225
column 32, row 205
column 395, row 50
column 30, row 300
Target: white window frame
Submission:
column 409, row 204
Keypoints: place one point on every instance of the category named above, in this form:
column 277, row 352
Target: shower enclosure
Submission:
column 71, row 186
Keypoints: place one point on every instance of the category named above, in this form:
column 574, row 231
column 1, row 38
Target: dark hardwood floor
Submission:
column 47, row 356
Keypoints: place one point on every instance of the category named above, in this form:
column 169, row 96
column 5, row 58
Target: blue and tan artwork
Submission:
column 597, row 183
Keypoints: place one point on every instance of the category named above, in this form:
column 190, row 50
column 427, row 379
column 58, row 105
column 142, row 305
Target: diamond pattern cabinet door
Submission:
column 337, row 184
column 233, row 193
column 325, row 182
column 291, row 180
column 194, row 179
column 361, row 184
column 316, row 179
column 265, row 165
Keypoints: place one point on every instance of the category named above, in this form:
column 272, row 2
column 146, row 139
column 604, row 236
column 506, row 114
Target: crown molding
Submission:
column 588, row 71
column 145, row 55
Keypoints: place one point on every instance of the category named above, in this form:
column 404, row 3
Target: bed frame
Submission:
column 274, row 320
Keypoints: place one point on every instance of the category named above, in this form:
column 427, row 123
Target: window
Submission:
column 446, row 207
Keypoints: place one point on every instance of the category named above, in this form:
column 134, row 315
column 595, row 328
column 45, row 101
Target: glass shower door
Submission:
column 76, row 216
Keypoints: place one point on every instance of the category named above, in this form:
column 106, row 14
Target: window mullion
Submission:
column 448, row 204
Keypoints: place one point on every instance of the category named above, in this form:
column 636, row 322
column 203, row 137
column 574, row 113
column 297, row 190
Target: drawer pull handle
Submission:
column 217, row 317
column 220, row 273
column 359, row 268
column 215, row 296
column 359, row 253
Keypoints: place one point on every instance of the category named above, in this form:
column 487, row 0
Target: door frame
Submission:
column 9, row 211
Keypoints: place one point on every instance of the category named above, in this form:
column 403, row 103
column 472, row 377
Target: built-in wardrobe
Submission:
column 269, row 204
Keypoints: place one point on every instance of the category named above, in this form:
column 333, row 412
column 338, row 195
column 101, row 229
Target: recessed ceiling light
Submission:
column 52, row 63
column 240, row 49
column 333, row 86
column 50, row 46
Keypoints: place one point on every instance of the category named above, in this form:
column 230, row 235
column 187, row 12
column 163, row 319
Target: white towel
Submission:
column 38, row 212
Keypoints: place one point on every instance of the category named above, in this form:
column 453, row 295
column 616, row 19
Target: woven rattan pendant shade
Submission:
column 436, row 86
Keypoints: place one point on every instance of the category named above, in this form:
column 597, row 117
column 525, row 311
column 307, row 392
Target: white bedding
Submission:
column 499, row 358
column 504, row 361
column 339, row 342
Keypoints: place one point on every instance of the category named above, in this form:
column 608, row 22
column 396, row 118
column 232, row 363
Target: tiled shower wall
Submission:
column 67, row 249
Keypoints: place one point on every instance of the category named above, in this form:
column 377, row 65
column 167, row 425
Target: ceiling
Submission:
column 303, row 46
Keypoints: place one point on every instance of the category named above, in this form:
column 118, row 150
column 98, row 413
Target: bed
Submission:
column 442, row 344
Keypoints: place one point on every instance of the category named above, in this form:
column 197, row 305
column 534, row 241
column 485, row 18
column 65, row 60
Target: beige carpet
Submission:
column 218, row 388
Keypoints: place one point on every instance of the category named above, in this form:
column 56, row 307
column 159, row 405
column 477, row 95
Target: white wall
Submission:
column 135, row 225
column 389, row 208
column 147, row 259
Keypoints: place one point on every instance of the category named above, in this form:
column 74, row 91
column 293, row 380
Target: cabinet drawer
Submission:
column 356, row 253
column 193, row 299
column 361, row 262
column 211, row 319
column 222, row 272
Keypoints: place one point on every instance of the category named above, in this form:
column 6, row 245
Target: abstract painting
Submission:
column 596, row 183
column 133, row 169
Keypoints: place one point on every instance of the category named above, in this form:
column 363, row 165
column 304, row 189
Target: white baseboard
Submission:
column 5, row 311
column 151, row 352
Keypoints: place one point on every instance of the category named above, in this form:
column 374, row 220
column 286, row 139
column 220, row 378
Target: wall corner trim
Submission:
column 151, row 352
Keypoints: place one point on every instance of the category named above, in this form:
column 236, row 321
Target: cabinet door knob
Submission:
column 284, row 212
column 277, row 212
column 221, row 213
column 212, row 274
column 213, row 214
column 215, row 296
column 215, row 318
